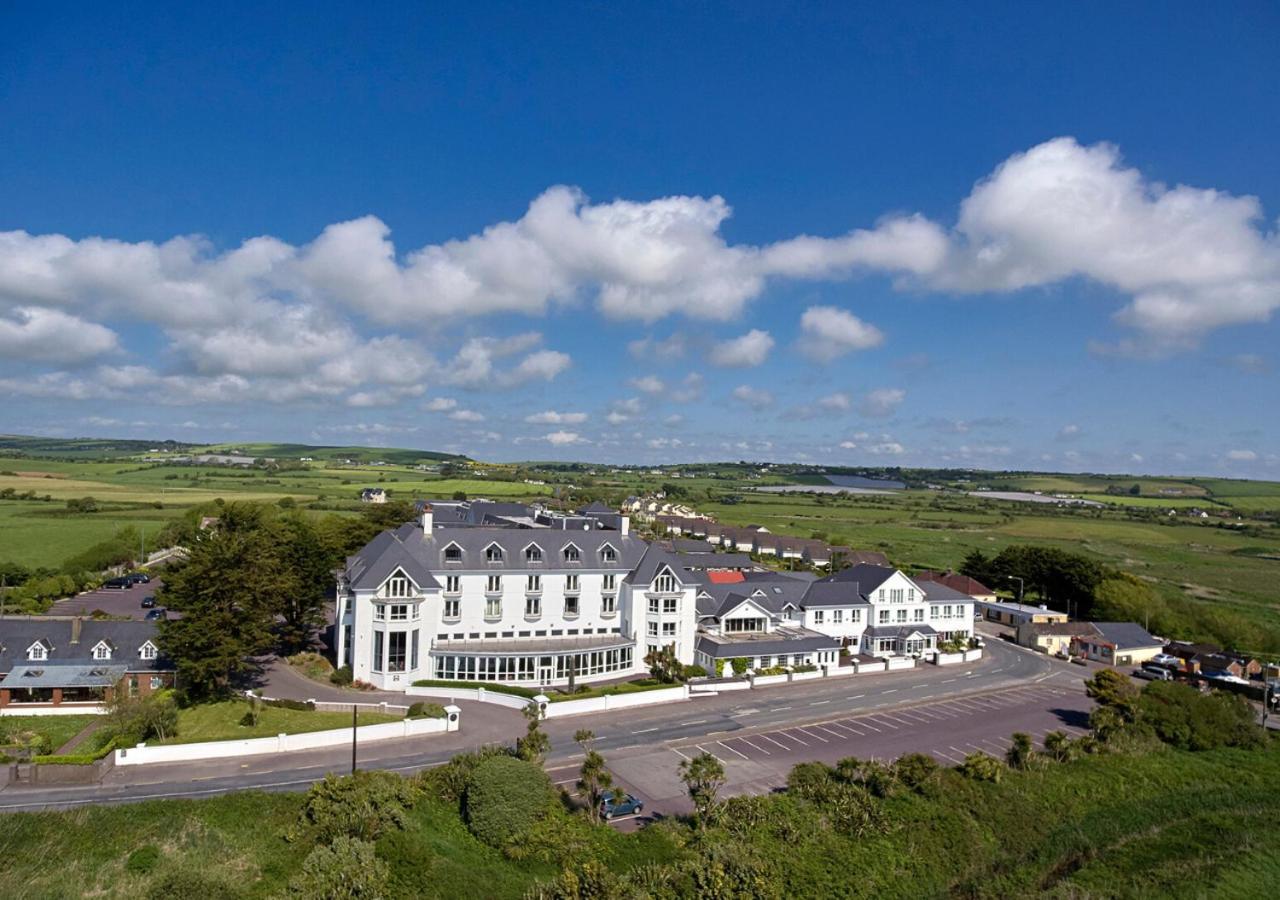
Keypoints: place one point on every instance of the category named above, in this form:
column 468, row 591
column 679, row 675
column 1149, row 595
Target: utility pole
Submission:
column 1018, row 578
column 354, row 713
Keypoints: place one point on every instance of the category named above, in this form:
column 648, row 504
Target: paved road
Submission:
column 1025, row 691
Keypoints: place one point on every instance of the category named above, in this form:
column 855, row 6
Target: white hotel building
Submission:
column 497, row 592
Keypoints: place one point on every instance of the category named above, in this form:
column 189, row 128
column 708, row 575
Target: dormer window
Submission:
column 665, row 583
column 493, row 553
column 147, row 651
column 397, row 586
column 533, row 554
column 608, row 554
column 37, row 651
column 453, row 554
column 572, row 554
column 102, row 650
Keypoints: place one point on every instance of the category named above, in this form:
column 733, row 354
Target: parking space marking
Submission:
column 791, row 737
column 861, row 723
column 678, row 753
column 829, row 731
column 727, row 747
column 772, row 741
column 811, row 734
column 754, row 746
column 709, row 753
column 837, row 725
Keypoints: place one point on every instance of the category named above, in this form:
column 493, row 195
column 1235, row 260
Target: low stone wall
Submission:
column 479, row 695
column 62, row 709
column 285, row 743
column 896, row 663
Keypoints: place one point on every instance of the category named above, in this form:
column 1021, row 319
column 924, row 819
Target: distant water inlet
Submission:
column 840, row 484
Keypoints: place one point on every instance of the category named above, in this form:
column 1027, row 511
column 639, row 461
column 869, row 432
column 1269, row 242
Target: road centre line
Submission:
column 819, row 702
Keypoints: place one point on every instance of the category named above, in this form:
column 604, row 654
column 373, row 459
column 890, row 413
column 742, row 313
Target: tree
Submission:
column 595, row 783
column 977, row 565
column 664, row 666
column 981, row 766
column 918, row 771
column 703, row 776
column 534, row 745
column 362, row 806
column 1021, row 753
column 505, row 798
column 347, row 869
column 304, row 581
column 134, row 719
column 1112, row 690
column 1058, row 746
column 226, row 592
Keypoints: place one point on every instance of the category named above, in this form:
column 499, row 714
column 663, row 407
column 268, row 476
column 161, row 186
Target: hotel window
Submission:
column 902, row 615
column 610, row 582
column 884, row 616
column 571, row 605
column 919, row 616
column 397, row 587
column 453, row 554
column 880, row 595
column 837, row 617
column 378, row 638
column 572, row 554
column 533, row 554
column 533, row 584
column 933, row 612
column 653, row 629
column 379, row 612
column 413, row 650
column 668, row 629
column 670, row 604
column 819, row 617
column 493, row 584
column 855, row 615
column 453, row 584
column 493, row 553
column 492, row 607
column 608, row 604
column 533, row 605
column 653, row 604
column 608, row 554
column 665, row 583
column 452, row 609
column 396, row 651
column 911, row 595
column 571, row 582
column 399, row 612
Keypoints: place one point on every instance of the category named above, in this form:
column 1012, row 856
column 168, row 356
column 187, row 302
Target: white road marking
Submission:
column 645, row 730
column 727, row 747
column 819, row 702
column 791, row 737
column 754, row 746
column 772, row 741
column 811, row 734
column 829, row 731
column 678, row 753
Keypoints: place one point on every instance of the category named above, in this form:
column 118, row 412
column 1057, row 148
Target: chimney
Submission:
column 427, row 517
column 624, row 525
column 75, row 630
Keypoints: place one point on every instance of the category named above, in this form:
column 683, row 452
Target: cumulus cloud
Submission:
column 648, row 384
column 751, row 349
column 551, row 417
column 1242, row 455
column 828, row 332
column 881, row 402
column 564, row 438
column 466, row 415
column 440, row 404
column 476, row 363
column 837, row 402
column 666, row 349
column 1069, row 432
column 756, row 398
column 690, row 388
column 35, row 334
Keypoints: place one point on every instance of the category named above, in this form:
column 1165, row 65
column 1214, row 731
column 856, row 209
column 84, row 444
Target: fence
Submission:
column 287, row 743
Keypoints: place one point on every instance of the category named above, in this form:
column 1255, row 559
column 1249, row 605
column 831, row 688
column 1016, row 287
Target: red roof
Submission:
column 957, row 582
column 725, row 577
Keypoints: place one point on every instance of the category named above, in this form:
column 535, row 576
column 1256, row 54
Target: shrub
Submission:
column 362, row 806
column 422, row 710
column 981, row 766
column 449, row 782
column 341, row 676
column 471, row 685
column 1182, row 716
column 805, row 667
column 917, row 771
column 740, row 665
column 143, row 860
column 313, row 665
column 505, row 798
column 347, row 868
column 193, row 881
column 772, row 670
column 299, row 705
column 694, row 672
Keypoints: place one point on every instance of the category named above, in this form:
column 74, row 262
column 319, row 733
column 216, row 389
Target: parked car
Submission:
column 628, row 806
column 1153, row 673
column 1165, row 660
column 1080, row 660
column 157, row 614
column 118, row 584
column 138, row 578
column 149, row 602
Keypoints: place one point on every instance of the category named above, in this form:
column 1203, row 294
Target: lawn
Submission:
column 58, row 729
column 221, row 722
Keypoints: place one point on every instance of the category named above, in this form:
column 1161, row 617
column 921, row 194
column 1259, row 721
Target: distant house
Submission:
column 1117, row 644
column 47, row 662
column 962, row 583
column 1006, row 612
column 1210, row 659
column 1053, row 638
column 373, row 495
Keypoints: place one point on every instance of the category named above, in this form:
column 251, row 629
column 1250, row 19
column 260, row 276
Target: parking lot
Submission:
column 757, row 761
column 126, row 602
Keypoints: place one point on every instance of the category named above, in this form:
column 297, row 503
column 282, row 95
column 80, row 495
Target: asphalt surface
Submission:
column 126, row 602
column 973, row 706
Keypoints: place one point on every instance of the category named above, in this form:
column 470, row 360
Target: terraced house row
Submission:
column 485, row 591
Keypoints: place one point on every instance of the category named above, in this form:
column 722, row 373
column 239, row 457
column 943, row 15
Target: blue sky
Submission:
column 999, row 236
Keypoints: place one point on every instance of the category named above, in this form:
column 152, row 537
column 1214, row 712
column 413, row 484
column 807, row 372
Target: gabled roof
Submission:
column 867, row 577
column 825, row 594
column 388, row 551
column 17, row 635
column 596, row 507
column 935, row 592
column 1126, row 635
column 954, row 580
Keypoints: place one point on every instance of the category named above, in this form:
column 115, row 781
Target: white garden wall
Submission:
column 480, row 695
column 615, row 701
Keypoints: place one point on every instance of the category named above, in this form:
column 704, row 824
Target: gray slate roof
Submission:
column 867, row 577
column 803, row 641
column 62, row 675
column 824, row 594
column 1126, row 635
column 899, row 631
column 16, row 635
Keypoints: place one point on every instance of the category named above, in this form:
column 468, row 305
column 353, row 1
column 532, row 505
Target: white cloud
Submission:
column 42, row 335
column 753, row 397
column 440, row 404
column 751, row 349
column 466, row 415
column 666, row 349
column 1251, row 363
column 1242, row 455
column 829, row 332
column 475, row 365
column 648, row 384
column 1069, row 432
column 837, row 402
column 551, row 417
column 882, row 402
column 564, row 438
column 887, row 448
column 690, row 388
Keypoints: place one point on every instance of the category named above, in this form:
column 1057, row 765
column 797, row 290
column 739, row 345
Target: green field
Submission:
column 1164, row 823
